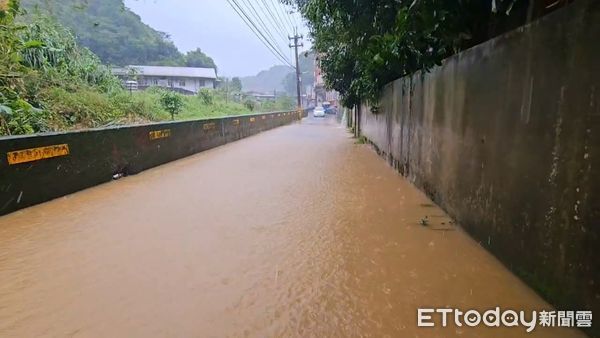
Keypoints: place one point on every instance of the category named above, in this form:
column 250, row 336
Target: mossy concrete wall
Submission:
column 506, row 138
column 38, row 168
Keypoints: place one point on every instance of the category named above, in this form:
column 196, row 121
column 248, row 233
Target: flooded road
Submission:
column 294, row 232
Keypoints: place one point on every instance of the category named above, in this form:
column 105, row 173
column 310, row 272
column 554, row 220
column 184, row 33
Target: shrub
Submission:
column 172, row 103
column 142, row 104
column 85, row 107
column 251, row 105
column 206, row 96
column 21, row 118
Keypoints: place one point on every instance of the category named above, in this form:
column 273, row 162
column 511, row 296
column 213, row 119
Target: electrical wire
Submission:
column 257, row 31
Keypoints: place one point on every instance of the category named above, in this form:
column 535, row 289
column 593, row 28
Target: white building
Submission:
column 187, row 80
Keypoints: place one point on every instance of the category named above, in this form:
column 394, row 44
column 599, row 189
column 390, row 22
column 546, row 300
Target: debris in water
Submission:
column 424, row 221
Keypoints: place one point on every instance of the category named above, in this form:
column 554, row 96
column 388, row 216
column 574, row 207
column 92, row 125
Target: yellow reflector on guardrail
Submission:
column 158, row 134
column 209, row 126
column 36, row 154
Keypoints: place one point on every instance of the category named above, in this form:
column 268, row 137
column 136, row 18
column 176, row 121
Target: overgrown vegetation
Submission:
column 280, row 104
column 49, row 83
column 195, row 106
column 206, row 95
column 364, row 44
column 41, row 66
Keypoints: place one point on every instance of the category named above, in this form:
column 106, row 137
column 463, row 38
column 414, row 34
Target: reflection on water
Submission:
column 294, row 232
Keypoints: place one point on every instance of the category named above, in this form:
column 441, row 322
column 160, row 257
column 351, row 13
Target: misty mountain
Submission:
column 268, row 80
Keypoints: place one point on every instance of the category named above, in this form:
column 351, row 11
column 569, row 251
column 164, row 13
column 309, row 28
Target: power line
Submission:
column 252, row 9
column 276, row 24
column 244, row 16
column 282, row 15
column 277, row 16
column 287, row 16
column 248, row 13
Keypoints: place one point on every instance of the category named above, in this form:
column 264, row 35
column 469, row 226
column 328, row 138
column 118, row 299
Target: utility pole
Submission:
column 297, row 44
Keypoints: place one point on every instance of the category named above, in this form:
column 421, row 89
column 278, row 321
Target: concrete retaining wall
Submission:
column 35, row 169
column 506, row 138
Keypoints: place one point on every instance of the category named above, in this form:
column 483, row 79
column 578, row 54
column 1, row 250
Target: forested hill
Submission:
column 281, row 78
column 268, row 80
column 116, row 34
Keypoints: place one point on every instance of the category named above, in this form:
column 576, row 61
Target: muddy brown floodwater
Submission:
column 294, row 232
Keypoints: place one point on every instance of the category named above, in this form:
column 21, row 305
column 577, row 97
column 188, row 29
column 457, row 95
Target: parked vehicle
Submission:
column 329, row 108
column 319, row 112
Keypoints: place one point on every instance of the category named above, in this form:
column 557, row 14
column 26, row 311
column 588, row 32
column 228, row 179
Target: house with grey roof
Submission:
column 186, row 80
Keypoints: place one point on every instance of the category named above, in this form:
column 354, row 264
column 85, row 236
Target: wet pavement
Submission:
column 294, row 232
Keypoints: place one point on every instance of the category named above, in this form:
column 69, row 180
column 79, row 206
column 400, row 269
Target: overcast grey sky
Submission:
column 213, row 26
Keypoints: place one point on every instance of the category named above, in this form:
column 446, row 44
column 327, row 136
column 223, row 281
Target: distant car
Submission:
column 330, row 110
column 319, row 112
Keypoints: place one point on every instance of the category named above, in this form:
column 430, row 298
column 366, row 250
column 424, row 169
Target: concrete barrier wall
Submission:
column 35, row 169
column 505, row 137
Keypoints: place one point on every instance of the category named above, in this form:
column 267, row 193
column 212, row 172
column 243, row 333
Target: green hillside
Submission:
column 116, row 34
column 267, row 81
column 281, row 78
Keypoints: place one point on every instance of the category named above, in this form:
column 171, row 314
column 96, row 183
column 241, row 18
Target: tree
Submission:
column 236, row 84
column 172, row 103
column 289, row 84
column 197, row 58
column 307, row 71
column 364, row 44
column 132, row 73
